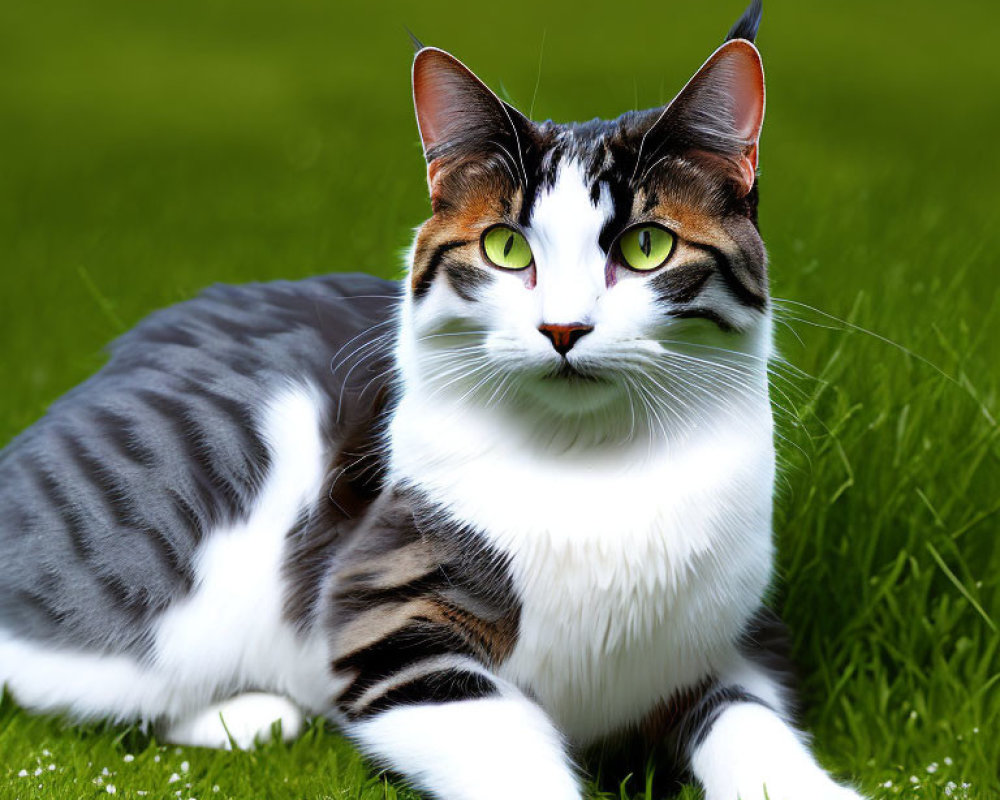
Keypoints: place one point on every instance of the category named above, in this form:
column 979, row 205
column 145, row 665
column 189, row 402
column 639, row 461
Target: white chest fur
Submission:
column 635, row 577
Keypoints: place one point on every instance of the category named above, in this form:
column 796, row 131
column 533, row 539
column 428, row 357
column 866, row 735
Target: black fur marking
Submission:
column 417, row 44
column 354, row 595
column 467, row 281
column 652, row 200
column 767, row 642
column 433, row 263
column 542, row 168
column 420, row 640
column 434, row 590
column 699, row 720
column 621, row 203
column 705, row 313
column 682, row 284
column 745, row 294
column 446, row 686
column 747, row 25
column 354, row 482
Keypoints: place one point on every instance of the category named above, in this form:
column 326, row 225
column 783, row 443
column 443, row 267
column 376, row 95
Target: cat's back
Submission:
column 105, row 500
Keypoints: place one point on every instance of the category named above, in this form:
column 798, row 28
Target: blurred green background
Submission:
column 149, row 149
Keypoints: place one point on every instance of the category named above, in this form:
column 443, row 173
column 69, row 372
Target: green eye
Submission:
column 646, row 247
column 506, row 248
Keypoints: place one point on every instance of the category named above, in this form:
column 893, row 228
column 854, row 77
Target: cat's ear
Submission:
column 457, row 114
column 720, row 111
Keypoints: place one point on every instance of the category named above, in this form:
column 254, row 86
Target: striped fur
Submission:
column 478, row 546
column 416, row 608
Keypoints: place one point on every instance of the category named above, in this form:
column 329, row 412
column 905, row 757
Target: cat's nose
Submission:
column 563, row 337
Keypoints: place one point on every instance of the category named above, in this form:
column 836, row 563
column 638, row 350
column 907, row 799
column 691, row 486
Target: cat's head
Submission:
column 597, row 266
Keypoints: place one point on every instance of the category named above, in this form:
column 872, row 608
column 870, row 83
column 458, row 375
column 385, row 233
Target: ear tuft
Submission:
column 417, row 44
column 746, row 26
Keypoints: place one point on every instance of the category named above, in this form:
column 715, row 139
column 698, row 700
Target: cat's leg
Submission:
column 741, row 745
column 243, row 720
column 458, row 733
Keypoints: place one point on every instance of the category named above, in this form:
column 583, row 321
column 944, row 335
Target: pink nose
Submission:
column 563, row 337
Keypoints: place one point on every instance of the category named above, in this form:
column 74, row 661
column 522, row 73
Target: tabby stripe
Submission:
column 118, row 432
column 682, row 284
column 725, row 267
column 419, row 640
column 209, row 489
column 100, row 474
column 362, row 598
column 409, row 674
column 621, row 204
column 119, row 496
column 540, row 175
column 705, row 313
column 113, row 493
column 444, row 686
column 427, row 277
column 248, row 461
column 466, row 280
column 39, row 601
column 67, row 511
column 698, row 722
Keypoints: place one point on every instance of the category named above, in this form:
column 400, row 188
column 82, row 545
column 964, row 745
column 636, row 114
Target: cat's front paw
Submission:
column 239, row 722
column 751, row 753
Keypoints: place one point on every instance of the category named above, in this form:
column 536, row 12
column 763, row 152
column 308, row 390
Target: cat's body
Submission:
column 125, row 559
column 520, row 503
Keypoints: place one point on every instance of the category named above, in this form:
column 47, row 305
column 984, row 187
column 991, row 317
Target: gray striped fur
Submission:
column 104, row 500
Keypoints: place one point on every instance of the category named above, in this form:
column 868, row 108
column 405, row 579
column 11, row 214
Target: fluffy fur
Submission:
column 475, row 545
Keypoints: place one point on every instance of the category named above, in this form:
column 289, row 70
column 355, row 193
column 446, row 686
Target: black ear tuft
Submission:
column 747, row 25
column 417, row 44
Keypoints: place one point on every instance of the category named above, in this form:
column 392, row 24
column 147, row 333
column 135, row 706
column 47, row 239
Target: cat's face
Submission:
column 588, row 265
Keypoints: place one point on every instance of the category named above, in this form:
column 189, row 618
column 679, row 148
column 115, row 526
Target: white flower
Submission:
column 110, row 789
column 23, row 773
column 185, row 766
column 173, row 778
column 128, row 758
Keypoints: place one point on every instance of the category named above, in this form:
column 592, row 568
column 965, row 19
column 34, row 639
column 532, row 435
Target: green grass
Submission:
column 148, row 149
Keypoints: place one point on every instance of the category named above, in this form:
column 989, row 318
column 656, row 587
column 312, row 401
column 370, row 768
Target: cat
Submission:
column 511, row 507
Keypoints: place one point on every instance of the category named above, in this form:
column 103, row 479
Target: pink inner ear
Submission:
column 445, row 92
column 744, row 74
column 431, row 97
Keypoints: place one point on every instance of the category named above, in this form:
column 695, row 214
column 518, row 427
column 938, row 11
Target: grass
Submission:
column 150, row 149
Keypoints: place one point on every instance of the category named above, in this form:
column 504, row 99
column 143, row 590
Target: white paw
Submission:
column 751, row 754
column 245, row 720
